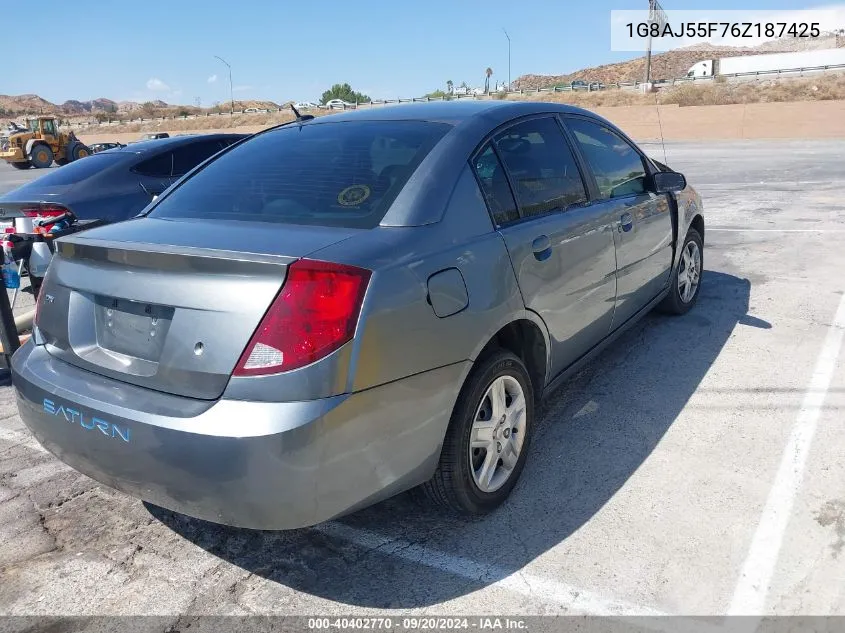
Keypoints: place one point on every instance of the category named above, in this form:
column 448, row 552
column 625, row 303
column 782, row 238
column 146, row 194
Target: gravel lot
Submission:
column 695, row 468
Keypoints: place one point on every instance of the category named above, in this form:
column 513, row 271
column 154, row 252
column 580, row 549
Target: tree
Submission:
column 487, row 74
column 343, row 91
column 450, row 86
column 439, row 94
column 148, row 108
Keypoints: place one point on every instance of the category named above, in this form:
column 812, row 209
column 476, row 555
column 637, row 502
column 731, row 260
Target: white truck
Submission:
column 768, row 63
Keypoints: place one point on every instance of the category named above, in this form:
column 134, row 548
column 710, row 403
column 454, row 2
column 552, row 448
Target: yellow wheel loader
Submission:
column 39, row 144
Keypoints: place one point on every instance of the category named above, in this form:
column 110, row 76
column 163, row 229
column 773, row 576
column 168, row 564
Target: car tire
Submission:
column 41, row 156
column 474, row 480
column 690, row 269
column 21, row 165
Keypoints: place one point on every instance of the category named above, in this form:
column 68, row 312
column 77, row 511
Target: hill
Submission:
column 13, row 105
column 675, row 63
column 30, row 104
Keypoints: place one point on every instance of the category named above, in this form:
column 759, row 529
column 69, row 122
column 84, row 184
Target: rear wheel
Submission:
column 22, row 165
column 79, row 151
column 686, row 280
column 488, row 437
column 41, row 156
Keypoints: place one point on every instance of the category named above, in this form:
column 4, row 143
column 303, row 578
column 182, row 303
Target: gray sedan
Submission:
column 341, row 309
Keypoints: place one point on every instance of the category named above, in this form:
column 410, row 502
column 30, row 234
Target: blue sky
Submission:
column 283, row 50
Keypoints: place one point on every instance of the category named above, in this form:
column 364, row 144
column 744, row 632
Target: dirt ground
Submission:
column 786, row 120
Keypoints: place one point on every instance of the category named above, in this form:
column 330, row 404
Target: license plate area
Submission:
column 132, row 328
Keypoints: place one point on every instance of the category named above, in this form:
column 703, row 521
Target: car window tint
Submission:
column 495, row 187
column 159, row 166
column 617, row 166
column 542, row 168
column 186, row 157
column 326, row 174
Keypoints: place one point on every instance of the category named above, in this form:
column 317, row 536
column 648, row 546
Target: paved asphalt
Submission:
column 694, row 468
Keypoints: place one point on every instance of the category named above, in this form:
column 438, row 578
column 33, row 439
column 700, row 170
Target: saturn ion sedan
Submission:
column 340, row 309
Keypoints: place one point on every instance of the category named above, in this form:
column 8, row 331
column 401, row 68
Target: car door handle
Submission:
column 542, row 247
column 626, row 222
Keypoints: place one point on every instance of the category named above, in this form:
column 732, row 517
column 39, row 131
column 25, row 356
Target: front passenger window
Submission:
column 617, row 166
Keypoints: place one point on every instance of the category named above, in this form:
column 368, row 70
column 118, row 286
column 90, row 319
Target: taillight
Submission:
column 314, row 314
column 44, row 211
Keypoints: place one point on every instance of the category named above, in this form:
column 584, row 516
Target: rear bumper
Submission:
column 246, row 464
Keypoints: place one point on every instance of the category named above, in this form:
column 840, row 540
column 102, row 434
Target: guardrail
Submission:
column 522, row 91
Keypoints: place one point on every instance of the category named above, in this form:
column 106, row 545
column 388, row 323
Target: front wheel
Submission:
column 41, row 156
column 686, row 279
column 488, row 437
column 79, row 151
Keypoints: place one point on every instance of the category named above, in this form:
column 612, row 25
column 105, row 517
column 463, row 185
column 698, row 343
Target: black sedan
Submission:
column 114, row 185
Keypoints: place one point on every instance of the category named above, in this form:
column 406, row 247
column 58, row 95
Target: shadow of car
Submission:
column 592, row 435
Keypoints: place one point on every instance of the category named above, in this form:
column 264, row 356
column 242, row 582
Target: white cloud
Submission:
column 157, row 85
column 241, row 88
column 212, row 79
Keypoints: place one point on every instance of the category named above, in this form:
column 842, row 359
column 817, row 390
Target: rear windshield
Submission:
column 330, row 174
column 78, row 170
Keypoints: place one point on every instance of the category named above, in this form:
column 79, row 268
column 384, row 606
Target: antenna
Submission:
column 300, row 117
column 660, row 123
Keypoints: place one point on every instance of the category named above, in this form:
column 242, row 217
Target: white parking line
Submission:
column 755, row 578
column 519, row 582
column 753, row 230
column 21, row 438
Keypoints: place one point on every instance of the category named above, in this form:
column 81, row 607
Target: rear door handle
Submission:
column 626, row 222
column 542, row 247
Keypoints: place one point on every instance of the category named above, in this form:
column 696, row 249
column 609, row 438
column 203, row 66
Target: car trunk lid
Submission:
column 168, row 305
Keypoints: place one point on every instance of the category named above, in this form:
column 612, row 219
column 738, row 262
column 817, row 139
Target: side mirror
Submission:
column 667, row 182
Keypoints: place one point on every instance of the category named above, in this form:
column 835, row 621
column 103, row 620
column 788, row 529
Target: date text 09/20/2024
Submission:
column 425, row 623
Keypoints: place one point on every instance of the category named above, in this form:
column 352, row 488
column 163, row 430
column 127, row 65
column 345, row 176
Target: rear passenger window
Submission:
column 186, row 157
column 160, row 166
column 542, row 168
column 495, row 187
column 618, row 167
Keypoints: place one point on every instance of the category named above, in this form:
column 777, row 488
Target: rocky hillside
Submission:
column 30, row 104
column 672, row 64
column 25, row 103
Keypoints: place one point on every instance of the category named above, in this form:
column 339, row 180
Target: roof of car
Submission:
column 446, row 111
column 156, row 145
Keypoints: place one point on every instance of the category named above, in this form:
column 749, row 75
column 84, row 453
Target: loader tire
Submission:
column 79, row 150
column 41, row 156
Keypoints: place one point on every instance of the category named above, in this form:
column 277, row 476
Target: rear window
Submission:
column 329, row 174
column 79, row 170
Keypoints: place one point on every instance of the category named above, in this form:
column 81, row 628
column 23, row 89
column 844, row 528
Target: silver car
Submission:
column 338, row 310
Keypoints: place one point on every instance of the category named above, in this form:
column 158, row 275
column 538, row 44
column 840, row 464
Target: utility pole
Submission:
column 231, row 90
column 647, row 79
column 509, row 57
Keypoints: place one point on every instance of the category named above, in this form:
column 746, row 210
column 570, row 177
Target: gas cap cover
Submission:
column 447, row 292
